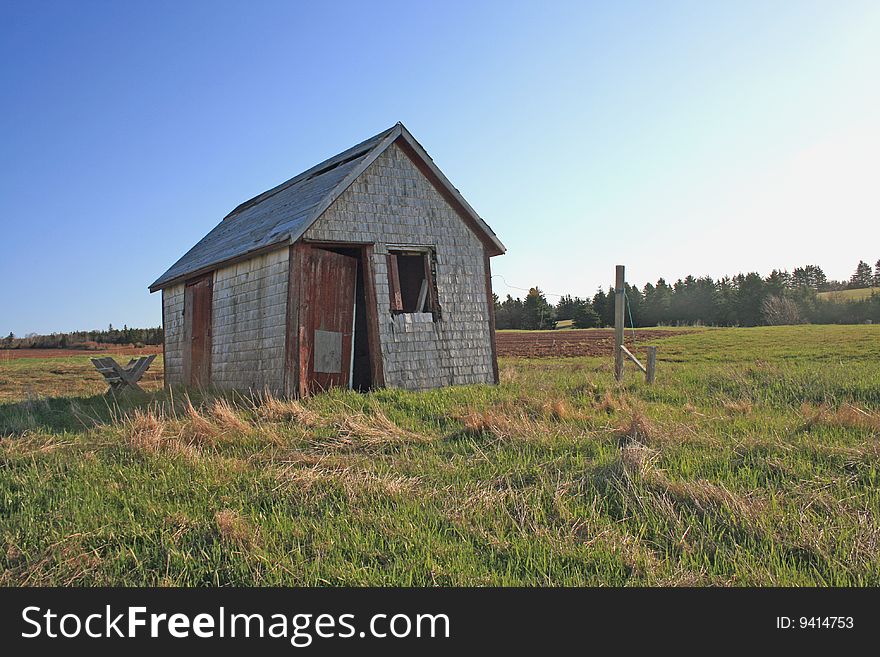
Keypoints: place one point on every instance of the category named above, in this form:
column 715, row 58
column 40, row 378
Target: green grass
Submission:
column 850, row 295
column 753, row 460
column 69, row 376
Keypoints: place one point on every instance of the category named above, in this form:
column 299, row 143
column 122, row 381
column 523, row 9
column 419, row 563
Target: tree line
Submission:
column 137, row 337
column 743, row 300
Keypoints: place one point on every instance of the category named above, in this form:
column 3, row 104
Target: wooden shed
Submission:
column 367, row 270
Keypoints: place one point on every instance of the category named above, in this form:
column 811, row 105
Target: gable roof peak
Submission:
column 282, row 214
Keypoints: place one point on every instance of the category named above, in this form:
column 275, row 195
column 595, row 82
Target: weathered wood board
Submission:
column 327, row 319
column 197, row 331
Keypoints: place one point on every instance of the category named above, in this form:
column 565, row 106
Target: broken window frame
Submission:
column 430, row 303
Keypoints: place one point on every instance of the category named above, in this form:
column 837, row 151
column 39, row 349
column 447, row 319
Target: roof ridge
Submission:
column 330, row 163
column 304, row 198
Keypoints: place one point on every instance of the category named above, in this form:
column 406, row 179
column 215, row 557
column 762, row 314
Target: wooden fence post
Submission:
column 652, row 364
column 618, row 322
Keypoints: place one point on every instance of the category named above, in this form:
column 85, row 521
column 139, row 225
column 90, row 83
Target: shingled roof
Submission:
column 282, row 214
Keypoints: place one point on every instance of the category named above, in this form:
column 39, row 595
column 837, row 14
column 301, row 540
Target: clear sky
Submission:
column 696, row 137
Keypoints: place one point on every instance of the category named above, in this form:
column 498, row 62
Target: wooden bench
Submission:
column 122, row 379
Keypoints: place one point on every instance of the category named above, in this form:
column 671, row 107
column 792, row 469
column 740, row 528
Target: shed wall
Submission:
column 249, row 319
column 393, row 203
column 172, row 313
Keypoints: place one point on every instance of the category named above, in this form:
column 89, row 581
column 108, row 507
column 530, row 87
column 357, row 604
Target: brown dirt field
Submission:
column 13, row 354
column 587, row 342
column 529, row 344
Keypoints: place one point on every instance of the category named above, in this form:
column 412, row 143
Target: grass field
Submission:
column 753, row 460
column 849, row 295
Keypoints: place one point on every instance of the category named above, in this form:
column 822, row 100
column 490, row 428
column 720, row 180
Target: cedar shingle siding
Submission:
column 250, row 306
column 384, row 193
column 393, row 203
column 172, row 301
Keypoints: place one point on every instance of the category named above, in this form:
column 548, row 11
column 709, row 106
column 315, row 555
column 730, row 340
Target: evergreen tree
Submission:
column 536, row 312
column 633, row 310
column 684, row 306
column 819, row 278
column 599, row 303
column 585, row 317
column 662, row 302
column 607, row 314
column 509, row 314
column 725, row 302
column 566, row 307
column 704, row 305
column 750, row 299
column 862, row 277
column 649, row 310
column 811, row 277
column 778, row 282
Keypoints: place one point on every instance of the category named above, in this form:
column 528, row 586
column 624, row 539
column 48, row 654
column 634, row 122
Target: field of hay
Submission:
column 753, row 460
column 850, row 295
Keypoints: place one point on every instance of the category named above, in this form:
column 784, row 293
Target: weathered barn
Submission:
column 367, row 270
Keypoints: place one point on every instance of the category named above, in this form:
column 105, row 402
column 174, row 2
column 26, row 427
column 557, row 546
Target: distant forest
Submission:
column 744, row 300
column 138, row 337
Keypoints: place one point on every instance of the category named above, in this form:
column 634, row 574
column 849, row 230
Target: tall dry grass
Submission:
column 847, row 416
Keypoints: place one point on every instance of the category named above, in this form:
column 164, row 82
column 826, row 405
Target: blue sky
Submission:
column 694, row 137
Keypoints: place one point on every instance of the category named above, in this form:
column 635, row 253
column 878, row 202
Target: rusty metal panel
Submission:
column 328, row 352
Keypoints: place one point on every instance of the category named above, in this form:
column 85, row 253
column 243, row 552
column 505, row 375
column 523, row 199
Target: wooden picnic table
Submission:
column 122, row 379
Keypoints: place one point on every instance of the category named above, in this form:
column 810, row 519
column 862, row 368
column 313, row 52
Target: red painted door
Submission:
column 197, row 331
column 326, row 330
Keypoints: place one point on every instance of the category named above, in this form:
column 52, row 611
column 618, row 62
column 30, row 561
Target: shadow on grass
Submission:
column 77, row 414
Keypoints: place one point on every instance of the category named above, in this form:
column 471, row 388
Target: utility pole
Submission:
column 620, row 349
column 618, row 322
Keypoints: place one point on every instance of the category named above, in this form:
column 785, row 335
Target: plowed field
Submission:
column 588, row 342
column 105, row 350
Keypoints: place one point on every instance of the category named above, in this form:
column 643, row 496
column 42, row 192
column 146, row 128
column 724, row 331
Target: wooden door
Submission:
column 197, row 331
column 327, row 319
